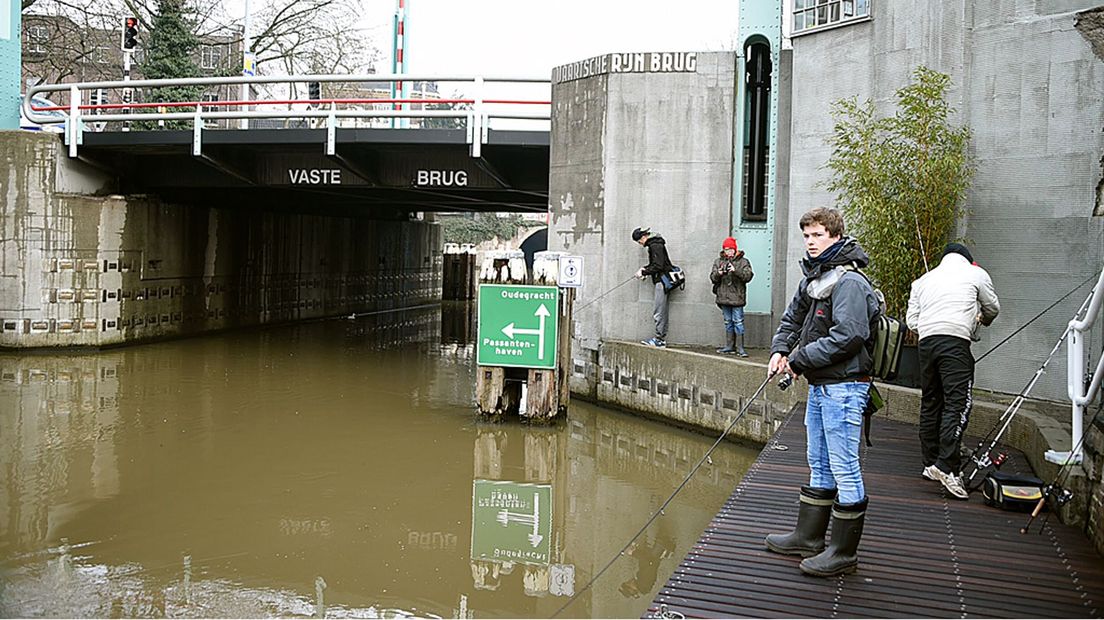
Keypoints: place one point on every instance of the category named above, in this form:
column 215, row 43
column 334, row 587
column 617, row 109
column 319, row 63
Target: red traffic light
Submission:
column 130, row 34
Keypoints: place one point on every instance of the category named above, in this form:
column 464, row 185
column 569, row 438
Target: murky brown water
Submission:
column 245, row 474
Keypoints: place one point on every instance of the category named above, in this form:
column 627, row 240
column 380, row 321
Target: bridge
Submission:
column 321, row 153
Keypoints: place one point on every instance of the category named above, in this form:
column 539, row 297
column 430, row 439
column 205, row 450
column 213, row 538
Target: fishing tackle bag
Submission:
column 675, row 278
column 1011, row 491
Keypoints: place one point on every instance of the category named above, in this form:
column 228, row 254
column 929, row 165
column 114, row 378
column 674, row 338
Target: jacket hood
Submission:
column 655, row 238
column 849, row 252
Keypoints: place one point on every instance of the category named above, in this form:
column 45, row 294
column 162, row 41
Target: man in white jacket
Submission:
column 946, row 307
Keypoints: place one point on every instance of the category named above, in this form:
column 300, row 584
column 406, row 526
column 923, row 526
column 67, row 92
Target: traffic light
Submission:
column 130, row 34
column 314, row 90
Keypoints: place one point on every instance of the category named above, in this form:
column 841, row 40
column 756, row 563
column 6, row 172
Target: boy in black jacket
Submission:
column 825, row 336
column 658, row 263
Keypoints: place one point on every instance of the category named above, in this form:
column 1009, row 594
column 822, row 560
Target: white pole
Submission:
column 126, row 91
column 246, row 44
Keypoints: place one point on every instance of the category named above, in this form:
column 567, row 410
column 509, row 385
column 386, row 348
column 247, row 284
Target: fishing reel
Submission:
column 785, row 382
column 1060, row 496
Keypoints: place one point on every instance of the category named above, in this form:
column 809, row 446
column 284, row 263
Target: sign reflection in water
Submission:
column 224, row 476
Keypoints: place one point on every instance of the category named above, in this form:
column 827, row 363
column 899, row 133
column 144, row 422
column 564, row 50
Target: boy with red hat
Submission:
column 730, row 275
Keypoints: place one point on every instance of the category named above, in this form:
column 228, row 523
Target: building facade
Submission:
column 58, row 50
column 1027, row 82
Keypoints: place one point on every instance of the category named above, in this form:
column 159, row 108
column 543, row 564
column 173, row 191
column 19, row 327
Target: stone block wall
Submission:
column 88, row 270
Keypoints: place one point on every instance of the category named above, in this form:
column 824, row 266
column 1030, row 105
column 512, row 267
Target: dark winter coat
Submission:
column 832, row 335
column 730, row 277
column 658, row 261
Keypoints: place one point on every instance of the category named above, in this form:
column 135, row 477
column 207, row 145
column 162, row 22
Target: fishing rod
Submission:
column 982, row 459
column 1056, row 490
column 630, row 279
column 659, row 512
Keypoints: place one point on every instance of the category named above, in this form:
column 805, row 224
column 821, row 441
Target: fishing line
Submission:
column 630, row 279
column 1048, row 308
column 981, row 459
column 657, row 513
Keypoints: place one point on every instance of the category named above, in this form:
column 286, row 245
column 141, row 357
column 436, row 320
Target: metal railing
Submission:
column 1080, row 392
column 476, row 119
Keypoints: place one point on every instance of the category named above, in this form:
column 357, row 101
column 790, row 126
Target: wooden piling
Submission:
column 547, row 394
column 459, row 280
column 498, row 389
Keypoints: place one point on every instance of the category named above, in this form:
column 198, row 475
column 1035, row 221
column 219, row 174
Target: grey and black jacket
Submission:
column 828, row 321
column 730, row 277
column 658, row 261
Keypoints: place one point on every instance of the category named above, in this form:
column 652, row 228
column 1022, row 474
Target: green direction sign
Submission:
column 517, row 325
column 511, row 521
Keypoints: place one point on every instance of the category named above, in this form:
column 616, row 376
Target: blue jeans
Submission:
column 833, row 425
column 733, row 319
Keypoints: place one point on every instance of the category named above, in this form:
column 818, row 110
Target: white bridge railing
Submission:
column 1079, row 393
column 481, row 106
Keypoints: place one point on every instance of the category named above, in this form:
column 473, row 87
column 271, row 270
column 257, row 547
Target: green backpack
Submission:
column 889, row 337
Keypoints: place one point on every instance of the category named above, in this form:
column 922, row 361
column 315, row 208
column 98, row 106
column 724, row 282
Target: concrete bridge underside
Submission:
column 386, row 172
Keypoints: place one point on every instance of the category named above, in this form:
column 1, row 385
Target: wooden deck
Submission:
column 923, row 554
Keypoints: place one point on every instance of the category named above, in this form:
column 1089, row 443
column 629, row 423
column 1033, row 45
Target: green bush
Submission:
column 900, row 180
column 479, row 227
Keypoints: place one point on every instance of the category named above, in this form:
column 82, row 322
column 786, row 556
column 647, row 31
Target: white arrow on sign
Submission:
column 505, row 517
column 543, row 313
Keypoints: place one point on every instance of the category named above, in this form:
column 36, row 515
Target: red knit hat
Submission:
column 729, row 243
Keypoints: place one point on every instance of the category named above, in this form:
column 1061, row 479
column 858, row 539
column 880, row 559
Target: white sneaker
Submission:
column 929, row 473
column 952, row 483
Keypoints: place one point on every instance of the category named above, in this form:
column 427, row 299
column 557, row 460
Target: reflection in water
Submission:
column 647, row 552
column 323, row 468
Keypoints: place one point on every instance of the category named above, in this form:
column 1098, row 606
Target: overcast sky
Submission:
column 529, row 37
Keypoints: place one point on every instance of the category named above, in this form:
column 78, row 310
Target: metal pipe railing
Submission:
column 1079, row 394
column 477, row 81
column 476, row 120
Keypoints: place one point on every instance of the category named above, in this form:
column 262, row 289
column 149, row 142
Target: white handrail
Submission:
column 476, row 120
column 1080, row 395
column 477, row 81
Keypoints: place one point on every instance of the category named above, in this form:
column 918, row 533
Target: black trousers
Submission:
column 946, row 380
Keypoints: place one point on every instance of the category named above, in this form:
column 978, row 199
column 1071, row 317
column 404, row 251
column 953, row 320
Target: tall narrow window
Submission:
column 757, row 105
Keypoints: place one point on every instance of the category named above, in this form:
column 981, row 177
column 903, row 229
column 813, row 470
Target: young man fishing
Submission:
column 825, row 336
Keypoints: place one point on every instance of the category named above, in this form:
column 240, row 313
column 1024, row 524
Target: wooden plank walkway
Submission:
column 923, row 554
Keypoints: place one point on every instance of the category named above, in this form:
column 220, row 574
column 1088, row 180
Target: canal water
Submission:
column 334, row 468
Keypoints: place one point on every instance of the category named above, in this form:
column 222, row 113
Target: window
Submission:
column 37, row 37
column 757, row 103
column 210, row 97
column 809, row 14
column 211, row 56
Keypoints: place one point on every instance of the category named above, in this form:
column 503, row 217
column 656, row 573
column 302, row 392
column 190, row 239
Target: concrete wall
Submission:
column 1028, row 85
column 651, row 150
column 690, row 389
column 100, row 270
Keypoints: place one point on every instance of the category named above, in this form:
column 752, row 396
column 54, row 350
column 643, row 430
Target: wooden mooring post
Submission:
column 494, row 395
column 459, row 280
column 537, row 392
